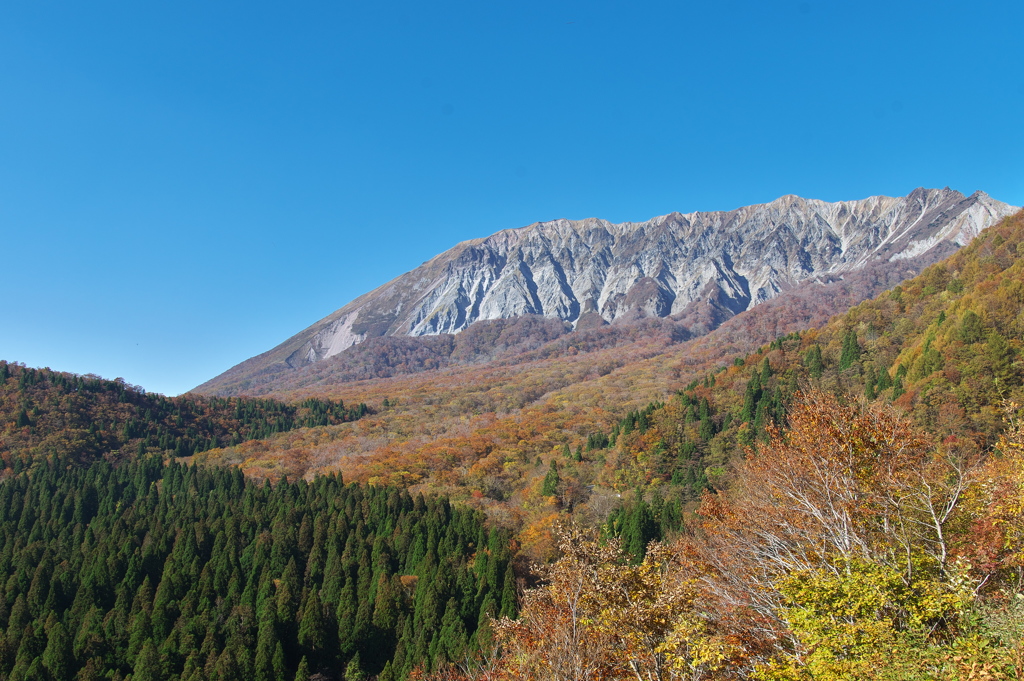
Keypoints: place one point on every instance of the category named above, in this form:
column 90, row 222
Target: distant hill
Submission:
column 695, row 271
column 48, row 414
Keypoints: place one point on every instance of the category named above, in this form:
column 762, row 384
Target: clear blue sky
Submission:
column 186, row 184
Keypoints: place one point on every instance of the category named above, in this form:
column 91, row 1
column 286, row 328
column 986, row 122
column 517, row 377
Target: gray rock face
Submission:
column 566, row 268
column 590, row 272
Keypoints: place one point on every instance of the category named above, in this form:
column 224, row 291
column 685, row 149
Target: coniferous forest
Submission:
column 160, row 571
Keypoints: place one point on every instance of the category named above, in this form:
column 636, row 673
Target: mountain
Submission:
column 901, row 433
column 944, row 348
column 592, row 272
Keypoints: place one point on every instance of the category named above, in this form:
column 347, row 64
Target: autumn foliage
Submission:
column 839, row 552
column 834, row 500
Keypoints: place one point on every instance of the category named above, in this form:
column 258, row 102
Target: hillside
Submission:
column 697, row 269
column 487, row 434
column 48, row 414
column 946, row 348
column 859, row 516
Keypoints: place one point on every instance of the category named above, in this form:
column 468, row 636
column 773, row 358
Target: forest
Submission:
column 46, row 413
column 776, row 501
column 854, row 502
column 852, row 545
column 147, row 570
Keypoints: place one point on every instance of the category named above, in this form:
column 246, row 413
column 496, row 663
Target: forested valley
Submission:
column 841, row 502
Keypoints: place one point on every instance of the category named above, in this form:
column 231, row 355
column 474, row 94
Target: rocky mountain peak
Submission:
column 601, row 272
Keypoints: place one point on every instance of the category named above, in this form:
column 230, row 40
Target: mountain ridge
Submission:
column 476, row 433
column 593, row 272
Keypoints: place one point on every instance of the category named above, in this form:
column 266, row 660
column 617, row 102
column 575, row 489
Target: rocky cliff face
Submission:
column 591, row 272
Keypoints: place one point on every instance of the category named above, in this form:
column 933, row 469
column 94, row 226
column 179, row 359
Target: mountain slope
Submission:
column 591, row 272
column 946, row 347
column 481, row 431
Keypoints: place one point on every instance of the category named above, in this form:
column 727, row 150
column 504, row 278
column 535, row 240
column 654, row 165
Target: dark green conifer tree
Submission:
column 707, row 428
column 147, row 664
column 312, row 628
column 972, row 328
column 266, row 643
column 898, row 387
column 58, row 657
column 884, row 381
column 897, row 384
column 508, row 606
column 302, row 673
column 387, row 603
column 869, row 385
column 751, row 396
column 813, row 362
column 353, row 670
column 280, row 667
column 851, row 351
column 551, row 480
column 639, row 529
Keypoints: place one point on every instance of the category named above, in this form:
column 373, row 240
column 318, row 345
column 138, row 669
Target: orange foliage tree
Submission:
column 846, row 485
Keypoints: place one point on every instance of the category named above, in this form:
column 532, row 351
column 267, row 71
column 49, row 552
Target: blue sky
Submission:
column 184, row 185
